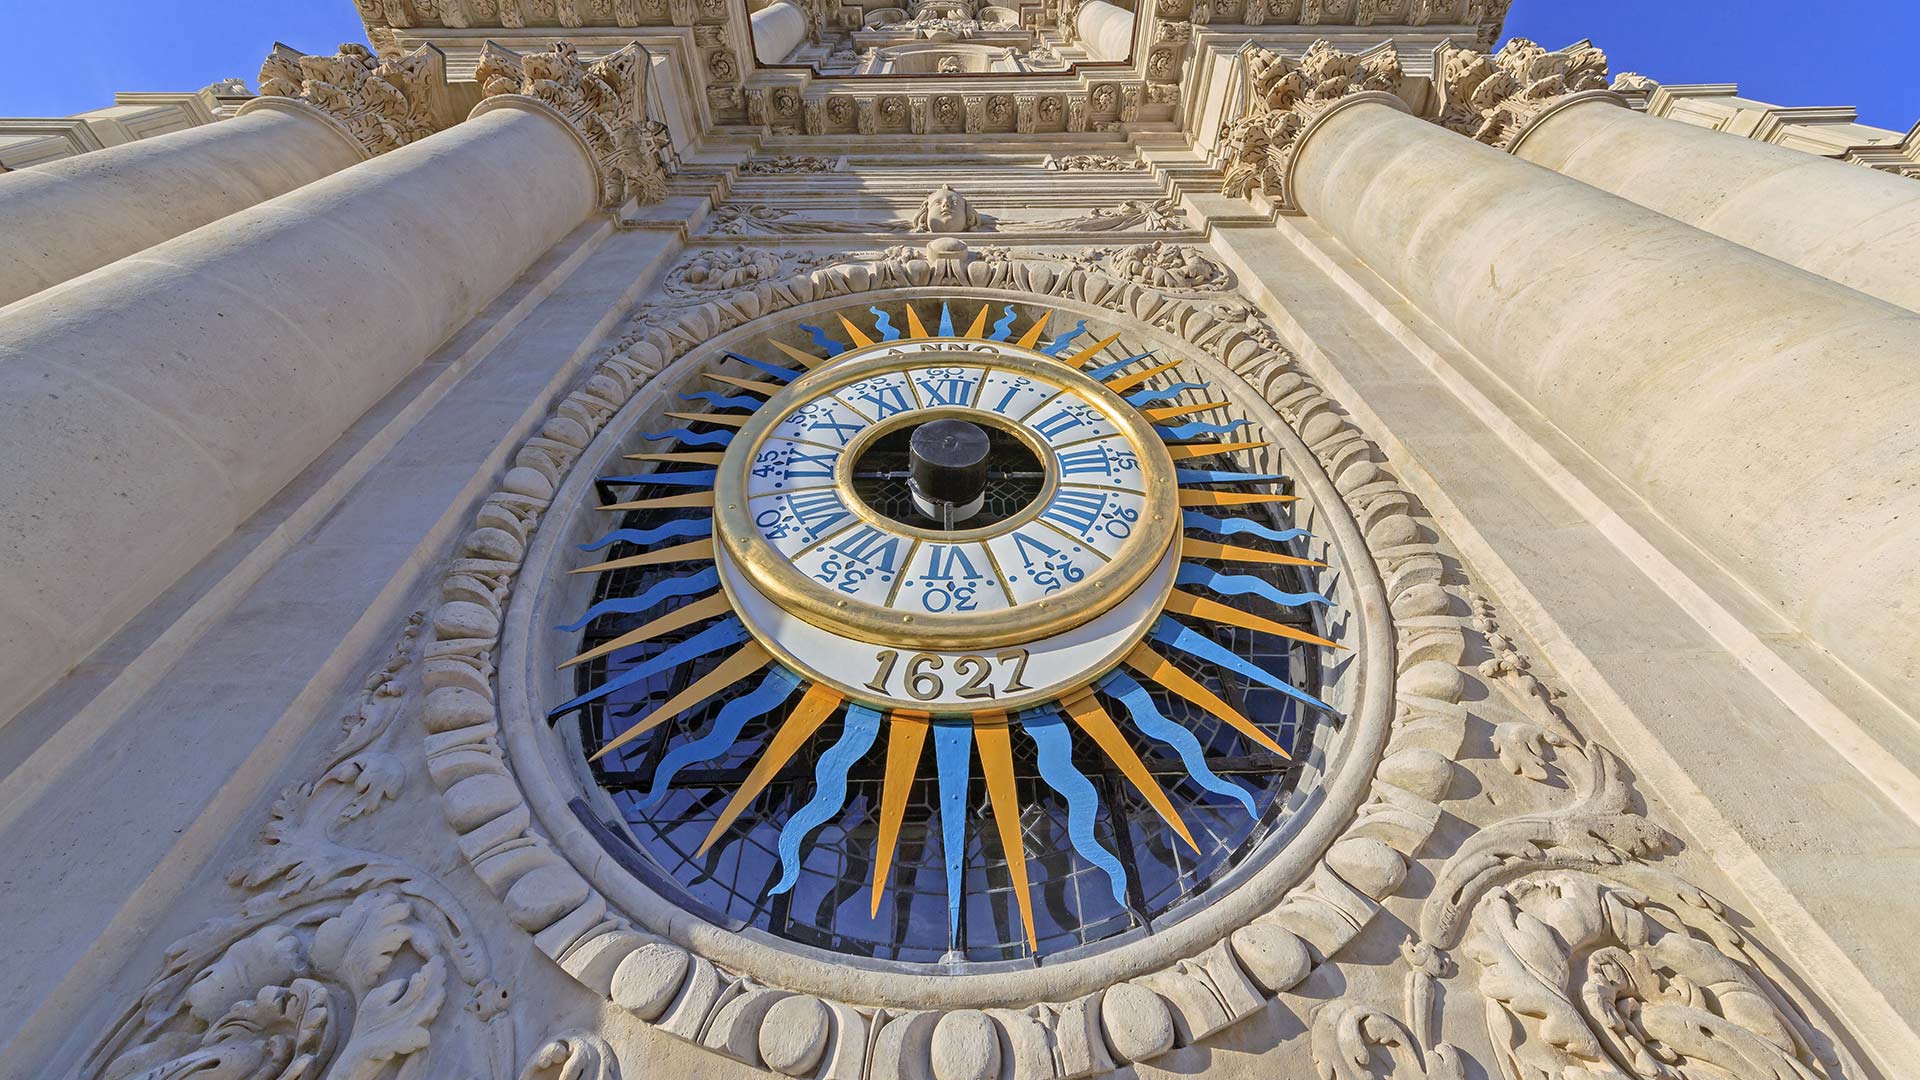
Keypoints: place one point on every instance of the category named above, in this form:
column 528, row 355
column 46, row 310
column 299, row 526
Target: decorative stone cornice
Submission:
column 1284, row 97
column 1494, row 98
column 604, row 101
column 383, row 102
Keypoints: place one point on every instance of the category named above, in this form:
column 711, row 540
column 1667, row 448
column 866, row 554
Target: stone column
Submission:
column 1105, row 29
column 319, row 115
column 1854, row 225
column 778, row 29
column 148, row 409
column 1764, row 411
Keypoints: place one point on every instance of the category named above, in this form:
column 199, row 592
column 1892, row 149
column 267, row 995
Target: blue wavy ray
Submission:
column 680, row 478
column 678, row 529
column 1003, row 329
column 1194, row 643
column 1149, row 719
column 829, row 790
column 1224, row 476
column 946, row 320
column 1055, row 759
column 734, row 715
column 727, row 632
column 1243, row 584
column 883, row 323
column 821, row 340
column 1107, row 371
column 953, row 758
column 1188, row 431
column 784, row 374
column 1194, row 519
column 1150, row 395
column 724, row 401
column 1060, row 343
column 692, row 437
column 664, row 589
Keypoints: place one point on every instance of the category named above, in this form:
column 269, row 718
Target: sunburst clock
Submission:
column 940, row 618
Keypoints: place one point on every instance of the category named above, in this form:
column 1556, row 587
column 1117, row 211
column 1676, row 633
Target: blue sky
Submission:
column 1842, row 52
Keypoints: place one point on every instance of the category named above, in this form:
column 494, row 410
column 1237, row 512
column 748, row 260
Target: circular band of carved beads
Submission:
column 1174, row 988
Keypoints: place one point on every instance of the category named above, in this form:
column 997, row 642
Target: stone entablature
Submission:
column 1828, row 131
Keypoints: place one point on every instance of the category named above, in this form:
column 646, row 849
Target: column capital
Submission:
column 604, row 102
column 381, row 102
column 1284, row 98
column 1495, row 98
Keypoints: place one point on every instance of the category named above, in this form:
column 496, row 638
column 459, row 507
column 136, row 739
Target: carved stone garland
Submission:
column 605, row 102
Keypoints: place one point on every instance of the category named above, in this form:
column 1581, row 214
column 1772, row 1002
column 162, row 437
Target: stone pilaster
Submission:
column 605, row 102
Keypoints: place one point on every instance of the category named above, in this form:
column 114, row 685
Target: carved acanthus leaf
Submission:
column 1285, row 96
column 605, row 101
column 1494, row 98
column 384, row 101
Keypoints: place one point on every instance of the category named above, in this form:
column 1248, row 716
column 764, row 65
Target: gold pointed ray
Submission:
column 799, row 726
column 1086, row 712
column 854, row 331
column 723, row 419
column 1208, row 549
column 1174, row 412
column 1079, row 359
column 1229, row 498
column 1199, row 607
column 750, row 658
column 1165, row 672
column 906, row 737
column 704, row 608
column 915, row 328
column 687, row 552
column 749, row 385
column 1189, row 451
column 1124, row 383
column 692, row 500
column 1032, row 337
column 807, row 359
column 979, row 327
column 996, row 762
column 691, row 457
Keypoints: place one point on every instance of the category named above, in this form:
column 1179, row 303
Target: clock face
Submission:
column 918, row 628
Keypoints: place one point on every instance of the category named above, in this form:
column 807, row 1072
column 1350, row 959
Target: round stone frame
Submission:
column 746, row 999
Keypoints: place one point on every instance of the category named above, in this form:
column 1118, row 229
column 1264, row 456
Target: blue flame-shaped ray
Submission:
column 1060, row 343
column 953, row 761
column 1003, row 329
column 678, row 529
column 1224, row 476
column 692, row 437
column 734, row 716
column 784, row 374
column 883, row 323
column 1149, row 719
column 724, row 401
column 829, row 790
column 1194, row 643
column 1142, row 398
column 1242, row 584
column 1194, row 519
column 1188, row 431
column 946, row 320
column 727, row 632
column 664, row 589
column 1107, row 371
column 686, row 478
column 1055, row 760
column 822, row 341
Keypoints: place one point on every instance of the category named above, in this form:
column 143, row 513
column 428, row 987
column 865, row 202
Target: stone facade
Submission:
column 1594, row 395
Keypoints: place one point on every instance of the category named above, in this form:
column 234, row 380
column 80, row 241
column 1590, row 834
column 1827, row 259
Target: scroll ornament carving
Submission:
column 786, row 164
column 605, row 102
column 384, row 101
column 1092, row 163
column 1493, row 98
column 1284, row 97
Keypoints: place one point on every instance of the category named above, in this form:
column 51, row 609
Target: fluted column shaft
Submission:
column 1765, row 412
column 1856, row 226
column 1105, row 29
column 150, row 408
column 67, row 217
column 778, row 29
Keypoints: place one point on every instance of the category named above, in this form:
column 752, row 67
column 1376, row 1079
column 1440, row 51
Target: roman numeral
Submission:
column 803, row 465
column 1077, row 511
column 826, row 422
column 947, row 391
column 886, row 400
column 1093, row 459
column 1027, row 545
column 818, row 511
column 943, row 559
column 1061, row 421
column 869, row 546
